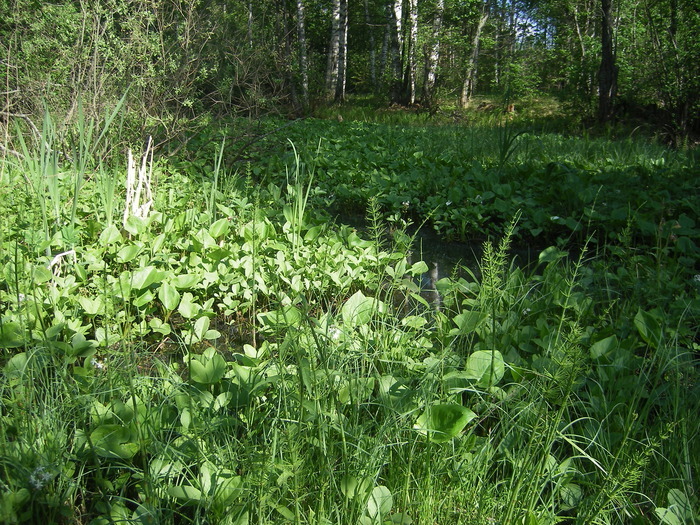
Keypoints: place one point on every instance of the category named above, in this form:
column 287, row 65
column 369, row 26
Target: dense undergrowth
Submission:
column 223, row 352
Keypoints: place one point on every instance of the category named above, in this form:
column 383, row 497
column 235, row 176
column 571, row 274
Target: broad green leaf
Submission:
column 358, row 309
column 380, row 502
column 128, row 253
column 227, row 488
column 143, row 299
column 469, row 321
column 357, row 390
column 185, row 280
column 135, row 225
column 17, row 365
column 201, row 326
column 571, row 496
column 401, row 519
column 92, row 306
column 443, row 422
column 649, row 327
column 486, row 367
column 114, row 441
column 678, row 501
column 187, row 308
column 287, row 316
column 352, row 487
column 418, row 268
column 208, row 368
column 551, row 254
column 11, row 335
column 187, row 493
column 668, row 517
column 110, row 235
column 603, row 347
column 219, row 228
column 169, row 296
column 41, row 274
column 145, row 277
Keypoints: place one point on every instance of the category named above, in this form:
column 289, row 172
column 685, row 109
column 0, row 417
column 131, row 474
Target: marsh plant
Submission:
column 234, row 357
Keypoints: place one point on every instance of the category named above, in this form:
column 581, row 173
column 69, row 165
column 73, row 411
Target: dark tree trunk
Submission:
column 607, row 74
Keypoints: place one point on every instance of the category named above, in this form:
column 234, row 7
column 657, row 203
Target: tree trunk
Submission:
column 342, row 52
column 372, row 49
column 249, row 33
column 607, row 74
column 470, row 75
column 409, row 95
column 394, row 16
column 333, row 53
column 303, row 56
column 432, row 56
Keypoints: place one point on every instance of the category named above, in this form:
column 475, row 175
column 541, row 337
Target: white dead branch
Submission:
column 139, row 198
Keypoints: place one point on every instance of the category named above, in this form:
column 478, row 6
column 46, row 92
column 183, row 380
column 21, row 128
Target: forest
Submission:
column 377, row 262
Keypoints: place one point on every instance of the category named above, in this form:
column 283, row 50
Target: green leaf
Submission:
column 219, row 228
column 110, row 235
column 201, row 326
column 208, row 368
column 486, row 367
column 145, row 277
column 169, row 296
column 187, row 493
column 185, row 280
column 603, row 347
column 443, row 422
column 551, row 254
column 469, row 321
column 135, row 225
column 114, row 441
column 92, row 306
column 668, row 517
column 352, row 487
column 11, row 335
column 128, row 253
column 418, row 268
column 358, row 309
column 679, row 503
column 380, row 502
column 357, row 390
column 41, row 274
column 187, row 308
column 649, row 327
column 287, row 316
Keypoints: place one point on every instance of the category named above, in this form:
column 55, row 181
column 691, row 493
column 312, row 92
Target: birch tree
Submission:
column 303, row 56
column 470, row 73
column 410, row 75
column 337, row 52
column 432, row 55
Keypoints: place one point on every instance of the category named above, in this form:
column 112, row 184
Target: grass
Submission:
column 236, row 357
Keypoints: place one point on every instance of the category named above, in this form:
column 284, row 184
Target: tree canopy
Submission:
column 181, row 59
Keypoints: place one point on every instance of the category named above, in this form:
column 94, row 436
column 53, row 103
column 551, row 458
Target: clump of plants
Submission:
column 230, row 355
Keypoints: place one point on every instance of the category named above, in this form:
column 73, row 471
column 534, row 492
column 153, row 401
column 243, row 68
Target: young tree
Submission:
column 470, row 73
column 432, row 55
column 337, row 52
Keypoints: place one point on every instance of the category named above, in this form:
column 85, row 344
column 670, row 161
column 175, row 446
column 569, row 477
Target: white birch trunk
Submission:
column 333, row 53
column 342, row 52
column 303, row 57
column 412, row 44
column 470, row 75
column 433, row 55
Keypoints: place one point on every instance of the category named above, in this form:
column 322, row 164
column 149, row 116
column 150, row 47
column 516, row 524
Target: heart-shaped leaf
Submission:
column 443, row 422
column 486, row 367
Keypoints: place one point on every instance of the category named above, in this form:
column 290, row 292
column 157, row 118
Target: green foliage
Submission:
column 236, row 357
